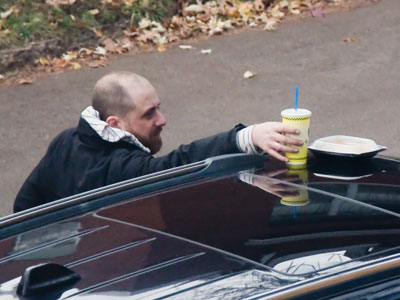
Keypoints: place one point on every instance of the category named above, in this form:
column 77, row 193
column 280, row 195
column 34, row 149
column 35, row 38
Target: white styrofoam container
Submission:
column 345, row 144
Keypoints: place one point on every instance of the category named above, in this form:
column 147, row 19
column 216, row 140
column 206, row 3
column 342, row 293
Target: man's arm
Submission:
column 264, row 138
column 30, row 194
column 139, row 163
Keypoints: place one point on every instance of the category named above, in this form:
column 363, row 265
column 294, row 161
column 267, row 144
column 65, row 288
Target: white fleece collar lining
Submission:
column 108, row 133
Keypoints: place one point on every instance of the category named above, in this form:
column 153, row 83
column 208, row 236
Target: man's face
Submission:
column 145, row 121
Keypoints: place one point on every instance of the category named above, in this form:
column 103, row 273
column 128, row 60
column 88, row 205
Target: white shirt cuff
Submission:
column 244, row 141
column 246, row 177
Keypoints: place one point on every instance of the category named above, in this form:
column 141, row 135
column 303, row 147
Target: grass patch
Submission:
column 155, row 10
column 35, row 20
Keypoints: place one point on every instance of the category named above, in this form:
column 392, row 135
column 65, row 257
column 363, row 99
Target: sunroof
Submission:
column 320, row 226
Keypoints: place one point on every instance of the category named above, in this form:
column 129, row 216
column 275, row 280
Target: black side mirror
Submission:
column 46, row 281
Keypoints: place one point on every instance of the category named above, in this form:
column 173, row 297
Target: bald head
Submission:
column 115, row 93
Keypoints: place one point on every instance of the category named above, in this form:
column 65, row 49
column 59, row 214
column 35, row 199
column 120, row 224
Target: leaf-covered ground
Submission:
column 39, row 37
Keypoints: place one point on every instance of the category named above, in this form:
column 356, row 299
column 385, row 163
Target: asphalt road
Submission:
column 352, row 88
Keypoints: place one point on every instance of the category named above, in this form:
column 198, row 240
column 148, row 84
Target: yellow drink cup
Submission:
column 299, row 118
column 302, row 197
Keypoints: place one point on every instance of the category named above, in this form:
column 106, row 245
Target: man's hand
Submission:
column 271, row 138
column 264, row 181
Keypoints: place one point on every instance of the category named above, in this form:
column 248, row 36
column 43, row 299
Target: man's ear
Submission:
column 113, row 121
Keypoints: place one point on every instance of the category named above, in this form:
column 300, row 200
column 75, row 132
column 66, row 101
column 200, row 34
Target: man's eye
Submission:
column 149, row 114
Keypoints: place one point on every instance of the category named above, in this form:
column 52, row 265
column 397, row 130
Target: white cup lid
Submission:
column 298, row 113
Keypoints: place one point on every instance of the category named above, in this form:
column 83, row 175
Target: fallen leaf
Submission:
column 206, row 51
column 161, row 48
column 43, row 61
column 295, row 11
column 262, row 18
column 126, row 43
column 85, row 52
column 231, row 12
column 97, row 32
column 249, row 74
column 93, row 11
column 214, row 10
column 351, row 39
column 75, row 65
column 194, row 8
column 72, row 17
column 294, row 7
column 69, row 56
column 295, row 4
column 144, row 23
column 110, row 46
column 25, row 80
column 160, row 40
column 206, row 15
column 259, row 5
column 253, row 24
column 190, row 19
column 185, row 47
column 217, row 26
column 97, row 64
column 126, row 2
column 172, row 38
column 60, row 2
column 2, row 77
column 177, row 21
column 157, row 27
column 100, row 51
column 228, row 24
column 59, row 63
column 129, row 32
column 7, row 13
column 270, row 25
column 147, row 36
column 316, row 13
column 276, row 13
column 284, row 3
column 244, row 8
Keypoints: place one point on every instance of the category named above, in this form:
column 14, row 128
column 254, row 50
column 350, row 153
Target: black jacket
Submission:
column 78, row 160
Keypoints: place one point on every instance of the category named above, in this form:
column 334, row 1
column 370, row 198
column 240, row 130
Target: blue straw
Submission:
column 294, row 212
column 296, row 102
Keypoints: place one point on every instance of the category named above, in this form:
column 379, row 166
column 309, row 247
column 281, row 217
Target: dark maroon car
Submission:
column 230, row 227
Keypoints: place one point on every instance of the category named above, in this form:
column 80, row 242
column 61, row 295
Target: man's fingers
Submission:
column 288, row 140
column 275, row 137
column 286, row 129
column 283, row 148
column 276, row 155
column 272, row 173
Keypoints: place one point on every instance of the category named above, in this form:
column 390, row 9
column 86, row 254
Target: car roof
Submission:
column 225, row 230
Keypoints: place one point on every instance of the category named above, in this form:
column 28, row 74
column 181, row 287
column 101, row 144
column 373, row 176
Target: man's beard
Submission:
column 154, row 143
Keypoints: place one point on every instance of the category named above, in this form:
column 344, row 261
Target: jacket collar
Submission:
column 108, row 133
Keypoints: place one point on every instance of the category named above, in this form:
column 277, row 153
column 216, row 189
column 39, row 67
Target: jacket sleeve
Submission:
column 36, row 189
column 141, row 163
column 30, row 194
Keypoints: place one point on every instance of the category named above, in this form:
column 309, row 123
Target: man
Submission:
column 117, row 136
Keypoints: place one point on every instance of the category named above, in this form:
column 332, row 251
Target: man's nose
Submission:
column 160, row 121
